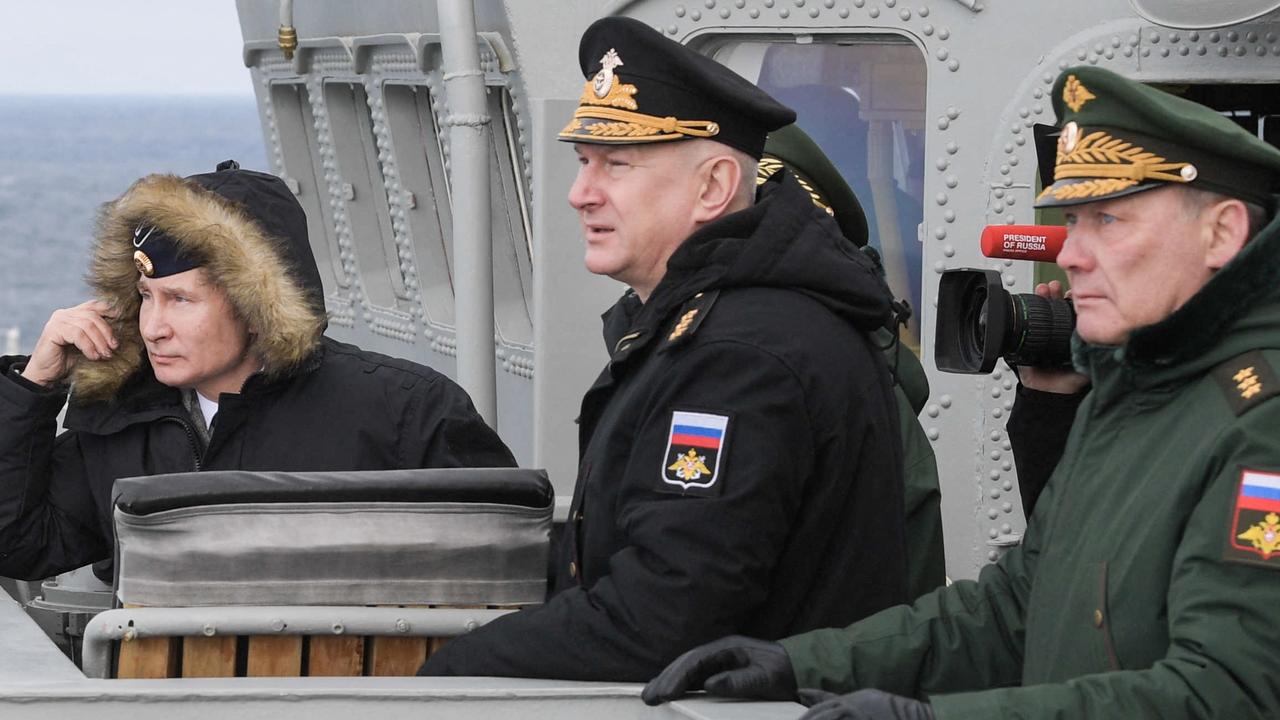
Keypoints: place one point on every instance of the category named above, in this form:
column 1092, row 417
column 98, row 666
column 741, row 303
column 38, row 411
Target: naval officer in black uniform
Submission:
column 740, row 457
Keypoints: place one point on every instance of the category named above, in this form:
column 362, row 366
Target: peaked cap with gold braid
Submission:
column 1118, row 137
column 643, row 87
column 792, row 148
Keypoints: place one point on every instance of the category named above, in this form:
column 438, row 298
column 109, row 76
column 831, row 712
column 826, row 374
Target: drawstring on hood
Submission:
column 251, row 235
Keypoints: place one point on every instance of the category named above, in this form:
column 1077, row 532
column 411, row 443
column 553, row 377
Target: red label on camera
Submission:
column 1023, row 242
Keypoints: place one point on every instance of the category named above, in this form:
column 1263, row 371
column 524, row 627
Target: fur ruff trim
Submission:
column 243, row 260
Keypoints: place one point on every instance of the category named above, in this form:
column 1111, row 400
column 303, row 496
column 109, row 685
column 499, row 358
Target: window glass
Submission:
column 862, row 99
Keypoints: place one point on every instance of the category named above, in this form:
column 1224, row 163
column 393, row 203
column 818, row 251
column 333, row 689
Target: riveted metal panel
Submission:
column 990, row 67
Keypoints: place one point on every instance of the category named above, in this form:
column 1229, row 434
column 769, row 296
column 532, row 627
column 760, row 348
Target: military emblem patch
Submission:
column 695, row 445
column 1255, row 526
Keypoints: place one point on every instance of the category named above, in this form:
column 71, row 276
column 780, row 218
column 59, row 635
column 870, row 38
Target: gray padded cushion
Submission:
column 402, row 537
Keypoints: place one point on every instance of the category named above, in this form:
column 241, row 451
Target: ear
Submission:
column 720, row 176
column 1227, row 228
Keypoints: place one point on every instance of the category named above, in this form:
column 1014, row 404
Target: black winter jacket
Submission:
column 740, row 460
column 316, row 405
column 348, row 409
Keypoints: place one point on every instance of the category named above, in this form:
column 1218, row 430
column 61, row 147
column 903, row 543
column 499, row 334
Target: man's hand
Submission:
column 734, row 666
column 862, row 705
column 1054, row 380
column 70, row 333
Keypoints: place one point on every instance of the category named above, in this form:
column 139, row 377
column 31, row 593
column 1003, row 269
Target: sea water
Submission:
column 62, row 157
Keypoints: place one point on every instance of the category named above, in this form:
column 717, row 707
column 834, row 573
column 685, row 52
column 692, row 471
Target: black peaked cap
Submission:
column 643, row 87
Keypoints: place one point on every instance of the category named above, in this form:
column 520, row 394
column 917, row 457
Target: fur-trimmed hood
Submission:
column 252, row 235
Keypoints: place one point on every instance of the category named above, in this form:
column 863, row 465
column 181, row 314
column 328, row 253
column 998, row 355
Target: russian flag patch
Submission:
column 1255, row 527
column 695, row 445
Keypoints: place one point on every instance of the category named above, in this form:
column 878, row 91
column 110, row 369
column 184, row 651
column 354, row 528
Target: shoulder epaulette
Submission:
column 691, row 316
column 1247, row 380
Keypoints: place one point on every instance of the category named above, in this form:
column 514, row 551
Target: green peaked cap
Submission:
column 1118, row 136
column 792, row 147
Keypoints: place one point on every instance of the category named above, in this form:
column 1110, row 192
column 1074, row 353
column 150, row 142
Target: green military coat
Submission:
column 1147, row 583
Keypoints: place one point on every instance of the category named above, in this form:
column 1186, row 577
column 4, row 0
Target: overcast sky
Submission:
column 108, row 47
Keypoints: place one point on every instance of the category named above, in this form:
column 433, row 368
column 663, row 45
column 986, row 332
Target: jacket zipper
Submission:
column 191, row 438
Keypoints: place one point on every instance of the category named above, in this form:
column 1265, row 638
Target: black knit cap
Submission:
column 643, row 87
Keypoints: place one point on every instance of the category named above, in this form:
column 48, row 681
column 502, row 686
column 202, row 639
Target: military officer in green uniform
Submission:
column 1146, row 585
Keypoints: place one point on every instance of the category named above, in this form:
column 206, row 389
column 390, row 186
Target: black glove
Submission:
column 734, row 666
column 862, row 705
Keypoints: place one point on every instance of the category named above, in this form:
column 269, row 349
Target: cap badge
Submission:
column 1075, row 94
column 1069, row 137
column 602, row 83
column 605, row 88
column 140, row 259
column 143, row 263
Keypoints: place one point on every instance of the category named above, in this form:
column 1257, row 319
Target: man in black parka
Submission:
column 203, row 350
column 740, row 456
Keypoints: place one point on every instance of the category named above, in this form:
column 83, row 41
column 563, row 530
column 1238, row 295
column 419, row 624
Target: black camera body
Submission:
column 980, row 322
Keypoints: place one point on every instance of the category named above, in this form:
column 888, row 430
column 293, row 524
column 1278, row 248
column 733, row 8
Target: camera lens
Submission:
column 1039, row 331
column 975, row 319
column 981, row 325
column 980, row 322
